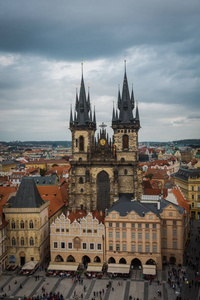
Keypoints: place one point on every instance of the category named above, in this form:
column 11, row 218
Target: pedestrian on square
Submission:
column 9, row 288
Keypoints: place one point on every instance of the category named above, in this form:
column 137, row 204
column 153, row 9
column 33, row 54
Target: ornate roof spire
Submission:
column 132, row 98
column 113, row 115
column 137, row 118
column 71, row 118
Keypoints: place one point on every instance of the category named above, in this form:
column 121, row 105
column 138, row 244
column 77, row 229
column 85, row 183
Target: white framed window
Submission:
column 110, row 247
column 154, row 248
column 113, row 216
column 62, row 245
column 124, row 225
column 99, row 247
column 70, row 245
column 132, row 216
column 132, row 235
column 147, row 236
column 91, row 246
column 147, row 248
column 133, row 248
column 84, row 246
column 110, row 234
column 174, row 232
column 174, row 245
column 110, row 224
column 124, row 234
column 150, row 216
column 154, row 236
column 55, row 245
column 123, row 247
column 117, row 247
column 132, row 225
column 117, row 224
column 139, row 235
column 164, row 244
column 117, row 235
column 139, row 248
column 154, row 225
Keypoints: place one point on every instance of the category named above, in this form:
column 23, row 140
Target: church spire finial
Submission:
column 82, row 68
column 124, row 65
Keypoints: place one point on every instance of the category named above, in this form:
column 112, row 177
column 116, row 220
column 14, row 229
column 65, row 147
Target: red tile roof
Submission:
column 79, row 214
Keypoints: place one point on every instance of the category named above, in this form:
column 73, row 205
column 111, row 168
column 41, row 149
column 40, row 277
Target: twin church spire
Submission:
column 122, row 115
column 83, row 112
column 125, row 105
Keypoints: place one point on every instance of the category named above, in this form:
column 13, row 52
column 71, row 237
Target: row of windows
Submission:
column 62, row 230
column 133, row 225
column 174, row 232
column 133, row 248
column 174, row 244
column 133, row 235
column 165, row 222
column 22, row 224
column 198, row 188
column 22, row 241
column 193, row 197
column 125, row 142
column 85, row 246
column 132, row 216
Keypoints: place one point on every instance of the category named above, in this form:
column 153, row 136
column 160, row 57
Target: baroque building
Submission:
column 150, row 231
column 102, row 168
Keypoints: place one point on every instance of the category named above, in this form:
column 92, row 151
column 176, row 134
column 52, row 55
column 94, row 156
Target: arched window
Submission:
column 81, row 180
column 13, row 241
column 13, row 224
column 81, row 143
column 31, row 224
column 31, row 241
column 22, row 241
column 22, row 224
column 125, row 142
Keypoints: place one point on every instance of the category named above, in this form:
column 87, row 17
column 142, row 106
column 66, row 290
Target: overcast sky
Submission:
column 42, row 45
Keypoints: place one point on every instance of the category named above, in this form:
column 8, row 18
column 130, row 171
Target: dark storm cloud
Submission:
column 42, row 41
column 88, row 29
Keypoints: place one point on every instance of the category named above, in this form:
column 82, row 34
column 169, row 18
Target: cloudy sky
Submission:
column 42, row 45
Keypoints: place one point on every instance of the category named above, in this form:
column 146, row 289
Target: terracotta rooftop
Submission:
column 79, row 214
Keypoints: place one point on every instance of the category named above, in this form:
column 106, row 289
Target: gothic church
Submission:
column 102, row 169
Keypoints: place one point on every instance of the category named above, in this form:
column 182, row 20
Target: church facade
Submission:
column 102, row 168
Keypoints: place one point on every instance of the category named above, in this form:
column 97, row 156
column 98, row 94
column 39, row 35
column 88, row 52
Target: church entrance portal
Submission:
column 103, row 187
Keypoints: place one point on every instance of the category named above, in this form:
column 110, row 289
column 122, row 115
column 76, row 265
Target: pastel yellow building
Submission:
column 189, row 182
column 77, row 238
column 28, row 225
column 145, row 232
column 7, row 165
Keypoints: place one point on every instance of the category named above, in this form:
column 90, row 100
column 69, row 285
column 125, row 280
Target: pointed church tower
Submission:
column 82, row 127
column 126, row 128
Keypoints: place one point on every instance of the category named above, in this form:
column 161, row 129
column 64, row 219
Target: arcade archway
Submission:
column 70, row 258
column 122, row 261
column 59, row 258
column 136, row 263
column 150, row 262
column 111, row 260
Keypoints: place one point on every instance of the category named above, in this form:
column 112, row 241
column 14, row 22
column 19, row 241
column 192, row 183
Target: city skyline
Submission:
column 43, row 44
